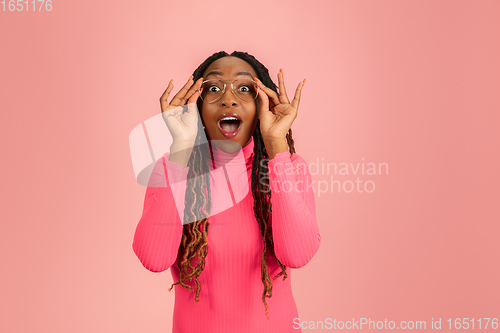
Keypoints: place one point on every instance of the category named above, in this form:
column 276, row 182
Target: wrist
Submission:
column 275, row 146
column 180, row 153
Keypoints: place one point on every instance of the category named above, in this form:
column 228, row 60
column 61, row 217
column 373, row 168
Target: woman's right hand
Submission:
column 182, row 125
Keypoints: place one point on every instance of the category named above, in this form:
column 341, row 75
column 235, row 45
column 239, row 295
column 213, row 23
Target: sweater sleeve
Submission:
column 296, row 234
column 159, row 231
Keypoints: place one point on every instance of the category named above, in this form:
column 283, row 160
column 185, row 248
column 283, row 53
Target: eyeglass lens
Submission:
column 244, row 89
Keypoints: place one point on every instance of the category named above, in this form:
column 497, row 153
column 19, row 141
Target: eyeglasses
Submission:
column 245, row 89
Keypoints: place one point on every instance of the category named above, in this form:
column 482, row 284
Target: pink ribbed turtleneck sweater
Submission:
column 231, row 291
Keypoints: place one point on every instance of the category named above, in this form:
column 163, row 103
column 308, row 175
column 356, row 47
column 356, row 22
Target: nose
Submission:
column 228, row 98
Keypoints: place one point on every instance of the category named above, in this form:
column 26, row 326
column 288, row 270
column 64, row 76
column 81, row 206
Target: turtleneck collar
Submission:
column 241, row 157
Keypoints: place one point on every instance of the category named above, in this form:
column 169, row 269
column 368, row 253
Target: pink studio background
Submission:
column 413, row 84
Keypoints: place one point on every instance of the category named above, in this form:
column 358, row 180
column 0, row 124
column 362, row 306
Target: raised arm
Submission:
column 159, row 231
column 296, row 234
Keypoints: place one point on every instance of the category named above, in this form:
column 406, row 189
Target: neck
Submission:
column 230, row 152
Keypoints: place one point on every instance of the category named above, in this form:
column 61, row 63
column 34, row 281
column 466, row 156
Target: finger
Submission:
column 177, row 100
column 192, row 108
column 281, row 85
column 195, row 95
column 192, row 91
column 269, row 92
column 296, row 98
column 164, row 96
column 264, row 105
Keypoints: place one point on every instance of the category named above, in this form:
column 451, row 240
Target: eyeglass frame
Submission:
column 232, row 90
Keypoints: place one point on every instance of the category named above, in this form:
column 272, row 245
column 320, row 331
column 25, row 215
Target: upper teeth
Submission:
column 229, row 118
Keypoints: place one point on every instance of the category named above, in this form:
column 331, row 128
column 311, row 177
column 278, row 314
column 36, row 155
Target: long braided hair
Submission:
column 198, row 206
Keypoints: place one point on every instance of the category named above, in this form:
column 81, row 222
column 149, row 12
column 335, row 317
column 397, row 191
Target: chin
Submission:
column 231, row 145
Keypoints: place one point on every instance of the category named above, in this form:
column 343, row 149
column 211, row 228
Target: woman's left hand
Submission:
column 276, row 113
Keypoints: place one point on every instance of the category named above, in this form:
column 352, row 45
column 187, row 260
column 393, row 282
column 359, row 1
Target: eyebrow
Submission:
column 220, row 74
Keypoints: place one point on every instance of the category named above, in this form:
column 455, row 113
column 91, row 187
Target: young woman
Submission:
column 233, row 229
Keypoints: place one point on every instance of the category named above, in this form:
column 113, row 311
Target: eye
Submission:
column 213, row 88
column 244, row 88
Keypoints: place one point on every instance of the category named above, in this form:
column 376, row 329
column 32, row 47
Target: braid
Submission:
column 198, row 203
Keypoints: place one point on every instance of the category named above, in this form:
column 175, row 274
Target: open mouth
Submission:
column 229, row 125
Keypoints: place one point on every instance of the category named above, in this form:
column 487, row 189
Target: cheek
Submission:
column 207, row 116
column 256, row 110
column 254, row 115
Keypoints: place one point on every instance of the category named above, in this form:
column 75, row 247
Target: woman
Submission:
column 223, row 276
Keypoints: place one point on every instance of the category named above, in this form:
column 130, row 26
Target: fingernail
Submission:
column 304, row 82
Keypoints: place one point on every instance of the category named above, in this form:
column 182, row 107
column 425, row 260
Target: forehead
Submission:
column 229, row 67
